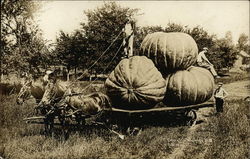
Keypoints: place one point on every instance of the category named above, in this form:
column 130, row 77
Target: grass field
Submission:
column 215, row 136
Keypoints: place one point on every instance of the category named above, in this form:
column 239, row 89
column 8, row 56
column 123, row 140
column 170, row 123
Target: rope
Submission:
column 99, row 56
column 105, row 67
column 91, row 83
column 71, row 83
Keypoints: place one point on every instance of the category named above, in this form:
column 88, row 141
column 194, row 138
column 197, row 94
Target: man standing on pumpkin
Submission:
column 220, row 94
column 128, row 39
column 202, row 61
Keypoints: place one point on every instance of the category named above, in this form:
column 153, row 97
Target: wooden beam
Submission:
column 161, row 109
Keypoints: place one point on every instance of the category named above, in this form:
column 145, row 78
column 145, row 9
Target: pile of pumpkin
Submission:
column 162, row 72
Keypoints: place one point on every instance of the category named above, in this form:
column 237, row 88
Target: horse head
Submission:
column 54, row 92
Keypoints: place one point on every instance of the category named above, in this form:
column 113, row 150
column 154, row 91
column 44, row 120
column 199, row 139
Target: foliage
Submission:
column 22, row 46
column 243, row 43
column 173, row 27
column 23, row 49
column 223, row 52
column 103, row 26
column 71, row 50
column 202, row 37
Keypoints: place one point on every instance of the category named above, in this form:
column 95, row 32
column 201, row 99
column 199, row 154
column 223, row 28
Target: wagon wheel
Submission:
column 191, row 116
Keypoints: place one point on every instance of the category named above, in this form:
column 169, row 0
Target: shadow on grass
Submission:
column 123, row 123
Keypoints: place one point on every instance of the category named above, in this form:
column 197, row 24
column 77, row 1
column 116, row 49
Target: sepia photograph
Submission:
column 124, row 79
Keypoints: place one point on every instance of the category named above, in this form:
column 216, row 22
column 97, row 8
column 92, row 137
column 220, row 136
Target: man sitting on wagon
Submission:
column 50, row 90
column 202, row 61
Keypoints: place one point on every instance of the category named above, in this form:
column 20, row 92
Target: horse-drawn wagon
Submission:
column 112, row 119
column 160, row 85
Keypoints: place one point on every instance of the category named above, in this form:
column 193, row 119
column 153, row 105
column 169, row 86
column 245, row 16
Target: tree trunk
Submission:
column 1, row 78
column 68, row 76
column 1, row 71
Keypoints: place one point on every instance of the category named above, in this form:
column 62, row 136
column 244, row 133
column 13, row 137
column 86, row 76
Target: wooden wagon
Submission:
column 66, row 117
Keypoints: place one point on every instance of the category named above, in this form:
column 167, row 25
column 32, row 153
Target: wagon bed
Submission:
column 114, row 116
column 162, row 109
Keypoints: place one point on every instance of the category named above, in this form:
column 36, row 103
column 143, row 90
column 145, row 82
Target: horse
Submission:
column 77, row 104
column 9, row 88
column 89, row 104
column 53, row 92
column 35, row 88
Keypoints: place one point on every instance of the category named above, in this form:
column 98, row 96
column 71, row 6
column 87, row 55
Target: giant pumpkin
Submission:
column 192, row 86
column 135, row 83
column 170, row 51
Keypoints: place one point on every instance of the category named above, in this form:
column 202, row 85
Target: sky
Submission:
column 216, row 17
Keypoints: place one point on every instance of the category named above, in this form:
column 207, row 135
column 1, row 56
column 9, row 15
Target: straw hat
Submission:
column 205, row 48
column 49, row 72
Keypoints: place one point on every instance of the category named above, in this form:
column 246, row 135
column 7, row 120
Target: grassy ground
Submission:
column 233, row 77
column 222, row 136
column 19, row 140
column 216, row 136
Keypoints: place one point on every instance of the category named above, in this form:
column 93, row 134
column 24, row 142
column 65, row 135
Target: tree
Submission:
column 221, row 53
column 229, row 38
column 173, row 27
column 201, row 37
column 71, row 50
column 224, row 52
column 103, row 27
column 142, row 32
column 22, row 46
column 242, row 43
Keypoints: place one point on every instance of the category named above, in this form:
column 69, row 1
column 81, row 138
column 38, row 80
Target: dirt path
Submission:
column 238, row 90
column 178, row 152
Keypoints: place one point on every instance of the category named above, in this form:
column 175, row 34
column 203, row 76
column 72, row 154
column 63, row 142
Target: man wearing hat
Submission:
column 46, row 76
column 202, row 61
column 50, row 88
column 220, row 94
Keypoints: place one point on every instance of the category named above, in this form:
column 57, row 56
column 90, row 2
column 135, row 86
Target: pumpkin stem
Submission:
column 130, row 91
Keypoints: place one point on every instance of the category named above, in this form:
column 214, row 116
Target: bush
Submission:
column 233, row 77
